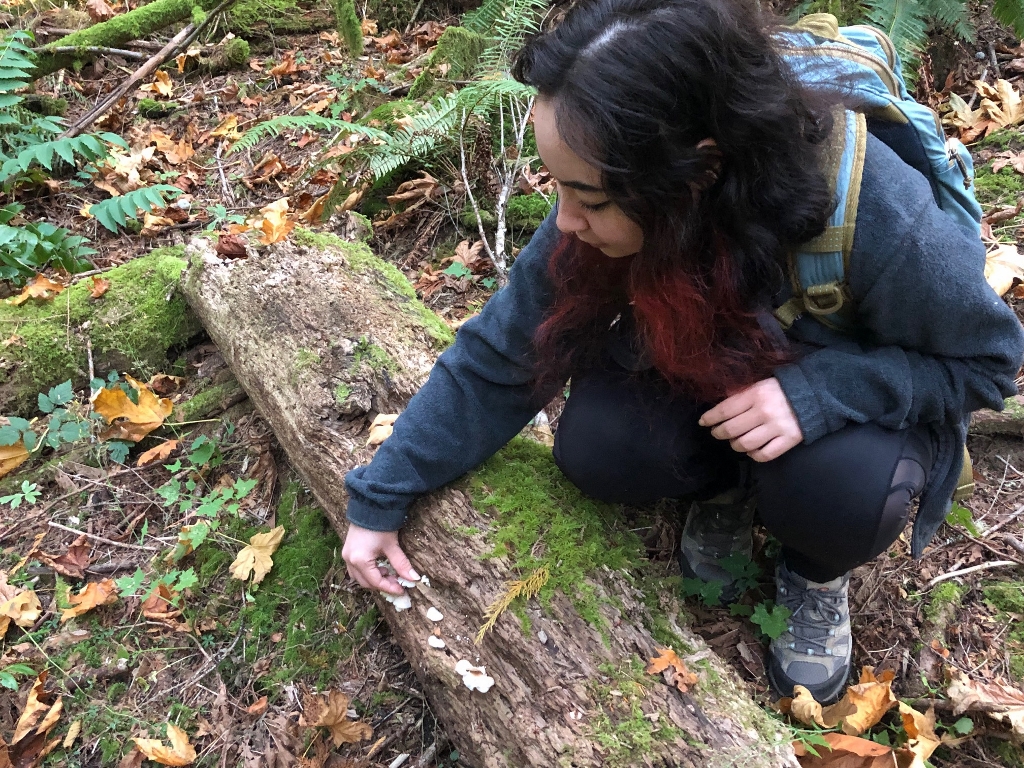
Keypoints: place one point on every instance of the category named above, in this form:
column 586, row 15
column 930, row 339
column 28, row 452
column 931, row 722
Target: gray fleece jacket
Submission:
column 933, row 342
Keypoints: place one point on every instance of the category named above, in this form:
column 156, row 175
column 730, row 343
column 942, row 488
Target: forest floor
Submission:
column 242, row 668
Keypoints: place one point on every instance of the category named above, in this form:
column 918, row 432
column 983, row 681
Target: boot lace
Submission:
column 816, row 615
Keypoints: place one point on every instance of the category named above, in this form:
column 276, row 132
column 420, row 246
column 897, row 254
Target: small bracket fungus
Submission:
column 405, row 582
column 475, row 678
column 381, row 428
column 433, row 614
column 401, row 602
column 435, row 642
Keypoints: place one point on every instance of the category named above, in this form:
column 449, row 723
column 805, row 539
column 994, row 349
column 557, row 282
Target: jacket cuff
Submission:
column 803, row 401
column 374, row 518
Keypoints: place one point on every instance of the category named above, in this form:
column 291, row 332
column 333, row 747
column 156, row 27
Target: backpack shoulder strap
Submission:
column 818, row 268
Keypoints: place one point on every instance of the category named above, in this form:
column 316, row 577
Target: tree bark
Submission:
column 296, row 324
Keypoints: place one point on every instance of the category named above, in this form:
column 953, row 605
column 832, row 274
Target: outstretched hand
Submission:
column 362, row 549
column 759, row 421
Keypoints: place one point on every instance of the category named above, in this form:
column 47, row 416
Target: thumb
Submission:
column 399, row 561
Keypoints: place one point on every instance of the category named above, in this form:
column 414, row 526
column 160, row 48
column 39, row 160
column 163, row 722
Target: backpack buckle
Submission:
column 824, row 299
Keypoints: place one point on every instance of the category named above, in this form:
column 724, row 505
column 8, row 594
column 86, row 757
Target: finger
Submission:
column 396, row 556
column 375, row 579
column 727, row 409
column 774, row 448
column 738, row 425
column 754, row 439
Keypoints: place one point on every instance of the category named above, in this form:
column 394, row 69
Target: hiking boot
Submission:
column 814, row 651
column 716, row 529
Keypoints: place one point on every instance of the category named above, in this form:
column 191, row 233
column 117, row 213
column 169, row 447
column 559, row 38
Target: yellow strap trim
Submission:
column 965, row 484
column 891, row 114
column 788, row 313
column 853, row 194
column 821, row 24
column 832, row 239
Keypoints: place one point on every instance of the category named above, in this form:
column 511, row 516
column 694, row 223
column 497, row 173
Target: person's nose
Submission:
column 570, row 219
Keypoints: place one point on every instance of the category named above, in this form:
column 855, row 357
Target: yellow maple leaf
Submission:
column 180, row 752
column 93, row 595
column 256, row 557
column 11, row 456
column 39, row 287
column 861, row 707
column 922, row 739
column 679, row 674
column 128, row 420
column 161, row 85
column 333, row 715
column 228, row 129
column 275, row 224
column 21, row 606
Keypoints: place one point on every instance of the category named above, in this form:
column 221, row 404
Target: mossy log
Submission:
column 1008, row 422
column 129, row 328
column 322, row 335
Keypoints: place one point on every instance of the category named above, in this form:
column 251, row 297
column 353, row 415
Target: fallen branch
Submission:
column 972, row 569
column 94, row 537
column 95, row 50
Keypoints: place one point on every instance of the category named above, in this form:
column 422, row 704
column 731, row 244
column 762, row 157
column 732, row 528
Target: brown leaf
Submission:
column 12, row 456
column 227, row 129
column 872, row 697
column 415, row 192
column 127, row 420
column 153, row 225
column 99, row 287
column 157, row 453
column 39, row 287
column 231, row 246
column 255, row 558
column 999, row 701
column 920, row 728
column 333, row 715
column 369, row 26
column 275, row 224
column 93, row 595
column 180, row 752
column 161, row 86
column 73, row 562
column 41, row 711
column 164, row 384
column 159, row 606
column 1004, row 266
column 315, row 212
column 21, row 606
column 286, row 66
column 98, row 10
column 846, row 752
column 678, row 674
column 257, row 708
column 132, row 759
column 1013, row 159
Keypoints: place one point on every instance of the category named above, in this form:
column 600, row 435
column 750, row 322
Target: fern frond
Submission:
column 517, row 20
column 15, row 66
column 525, row 588
column 1010, row 12
column 904, row 21
column 87, row 146
column 277, row 125
column 116, row 211
column 951, row 15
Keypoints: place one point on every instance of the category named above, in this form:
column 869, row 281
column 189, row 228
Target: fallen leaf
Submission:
column 93, row 595
column 369, row 26
column 920, row 728
column 678, row 673
column 872, row 697
column 164, row 384
column 19, row 605
column 227, row 129
column 415, row 192
column 1004, row 265
column 161, row 86
column 231, row 246
column 130, row 421
column 153, row 225
column 999, row 701
column 98, row 10
column 157, row 453
column 333, row 715
column 1013, row 159
column 275, row 224
column 180, row 752
column 41, row 711
column 99, row 287
column 159, row 606
column 73, row 730
column 846, row 752
column 257, row 708
column 12, row 456
column 315, row 212
column 39, row 287
column 73, row 562
column 255, row 558
column 286, row 66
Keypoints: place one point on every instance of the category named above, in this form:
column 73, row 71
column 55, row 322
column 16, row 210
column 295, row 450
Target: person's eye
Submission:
column 594, row 206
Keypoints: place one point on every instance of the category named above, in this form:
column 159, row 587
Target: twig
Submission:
column 993, row 59
column 1013, row 516
column 972, row 569
column 1013, row 542
column 412, row 19
column 111, row 542
column 223, row 179
column 94, row 49
column 427, row 758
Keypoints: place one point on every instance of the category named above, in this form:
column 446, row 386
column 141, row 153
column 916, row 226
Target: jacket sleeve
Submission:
column 479, row 395
column 936, row 342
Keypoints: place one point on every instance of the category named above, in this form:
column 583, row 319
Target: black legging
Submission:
column 835, row 504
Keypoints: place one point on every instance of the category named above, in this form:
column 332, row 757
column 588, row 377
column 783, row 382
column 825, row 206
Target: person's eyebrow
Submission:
column 580, row 186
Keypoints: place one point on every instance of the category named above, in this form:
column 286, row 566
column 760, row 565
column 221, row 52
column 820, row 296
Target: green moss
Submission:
column 198, row 15
column 290, row 598
column 1002, row 188
column 528, row 211
column 1010, row 755
column 342, row 392
column 237, row 52
column 305, row 359
column 363, row 260
column 115, row 691
column 541, row 519
column 424, row 84
column 1008, row 599
column 349, row 27
column 131, row 328
column 251, row 17
column 46, row 105
column 468, row 218
column 1005, row 139
column 151, row 108
column 369, row 353
column 207, row 401
column 945, row 594
column 459, row 50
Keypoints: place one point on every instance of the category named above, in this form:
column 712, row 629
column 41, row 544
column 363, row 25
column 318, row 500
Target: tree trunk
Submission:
column 323, row 336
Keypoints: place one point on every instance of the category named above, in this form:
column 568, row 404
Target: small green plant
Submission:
column 175, row 580
column 219, row 216
column 29, row 493
column 961, row 516
column 7, row 675
column 771, row 619
column 709, row 592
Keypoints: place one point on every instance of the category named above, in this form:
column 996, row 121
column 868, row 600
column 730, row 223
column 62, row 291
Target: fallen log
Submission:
column 322, row 335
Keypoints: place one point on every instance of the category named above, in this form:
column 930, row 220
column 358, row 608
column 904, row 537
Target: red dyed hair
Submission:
column 696, row 329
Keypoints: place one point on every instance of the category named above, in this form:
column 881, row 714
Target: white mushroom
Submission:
column 401, row 602
column 475, row 678
column 435, row 642
column 405, row 582
column 424, row 581
column 433, row 614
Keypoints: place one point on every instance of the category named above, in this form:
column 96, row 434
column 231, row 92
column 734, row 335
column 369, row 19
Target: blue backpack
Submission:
column 860, row 64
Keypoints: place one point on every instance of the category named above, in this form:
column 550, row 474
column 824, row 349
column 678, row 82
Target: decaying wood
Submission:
column 1008, row 422
column 290, row 322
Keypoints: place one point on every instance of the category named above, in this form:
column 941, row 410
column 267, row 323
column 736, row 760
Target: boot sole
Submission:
column 829, row 696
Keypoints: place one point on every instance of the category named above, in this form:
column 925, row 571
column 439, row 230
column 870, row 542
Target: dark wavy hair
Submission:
column 636, row 85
